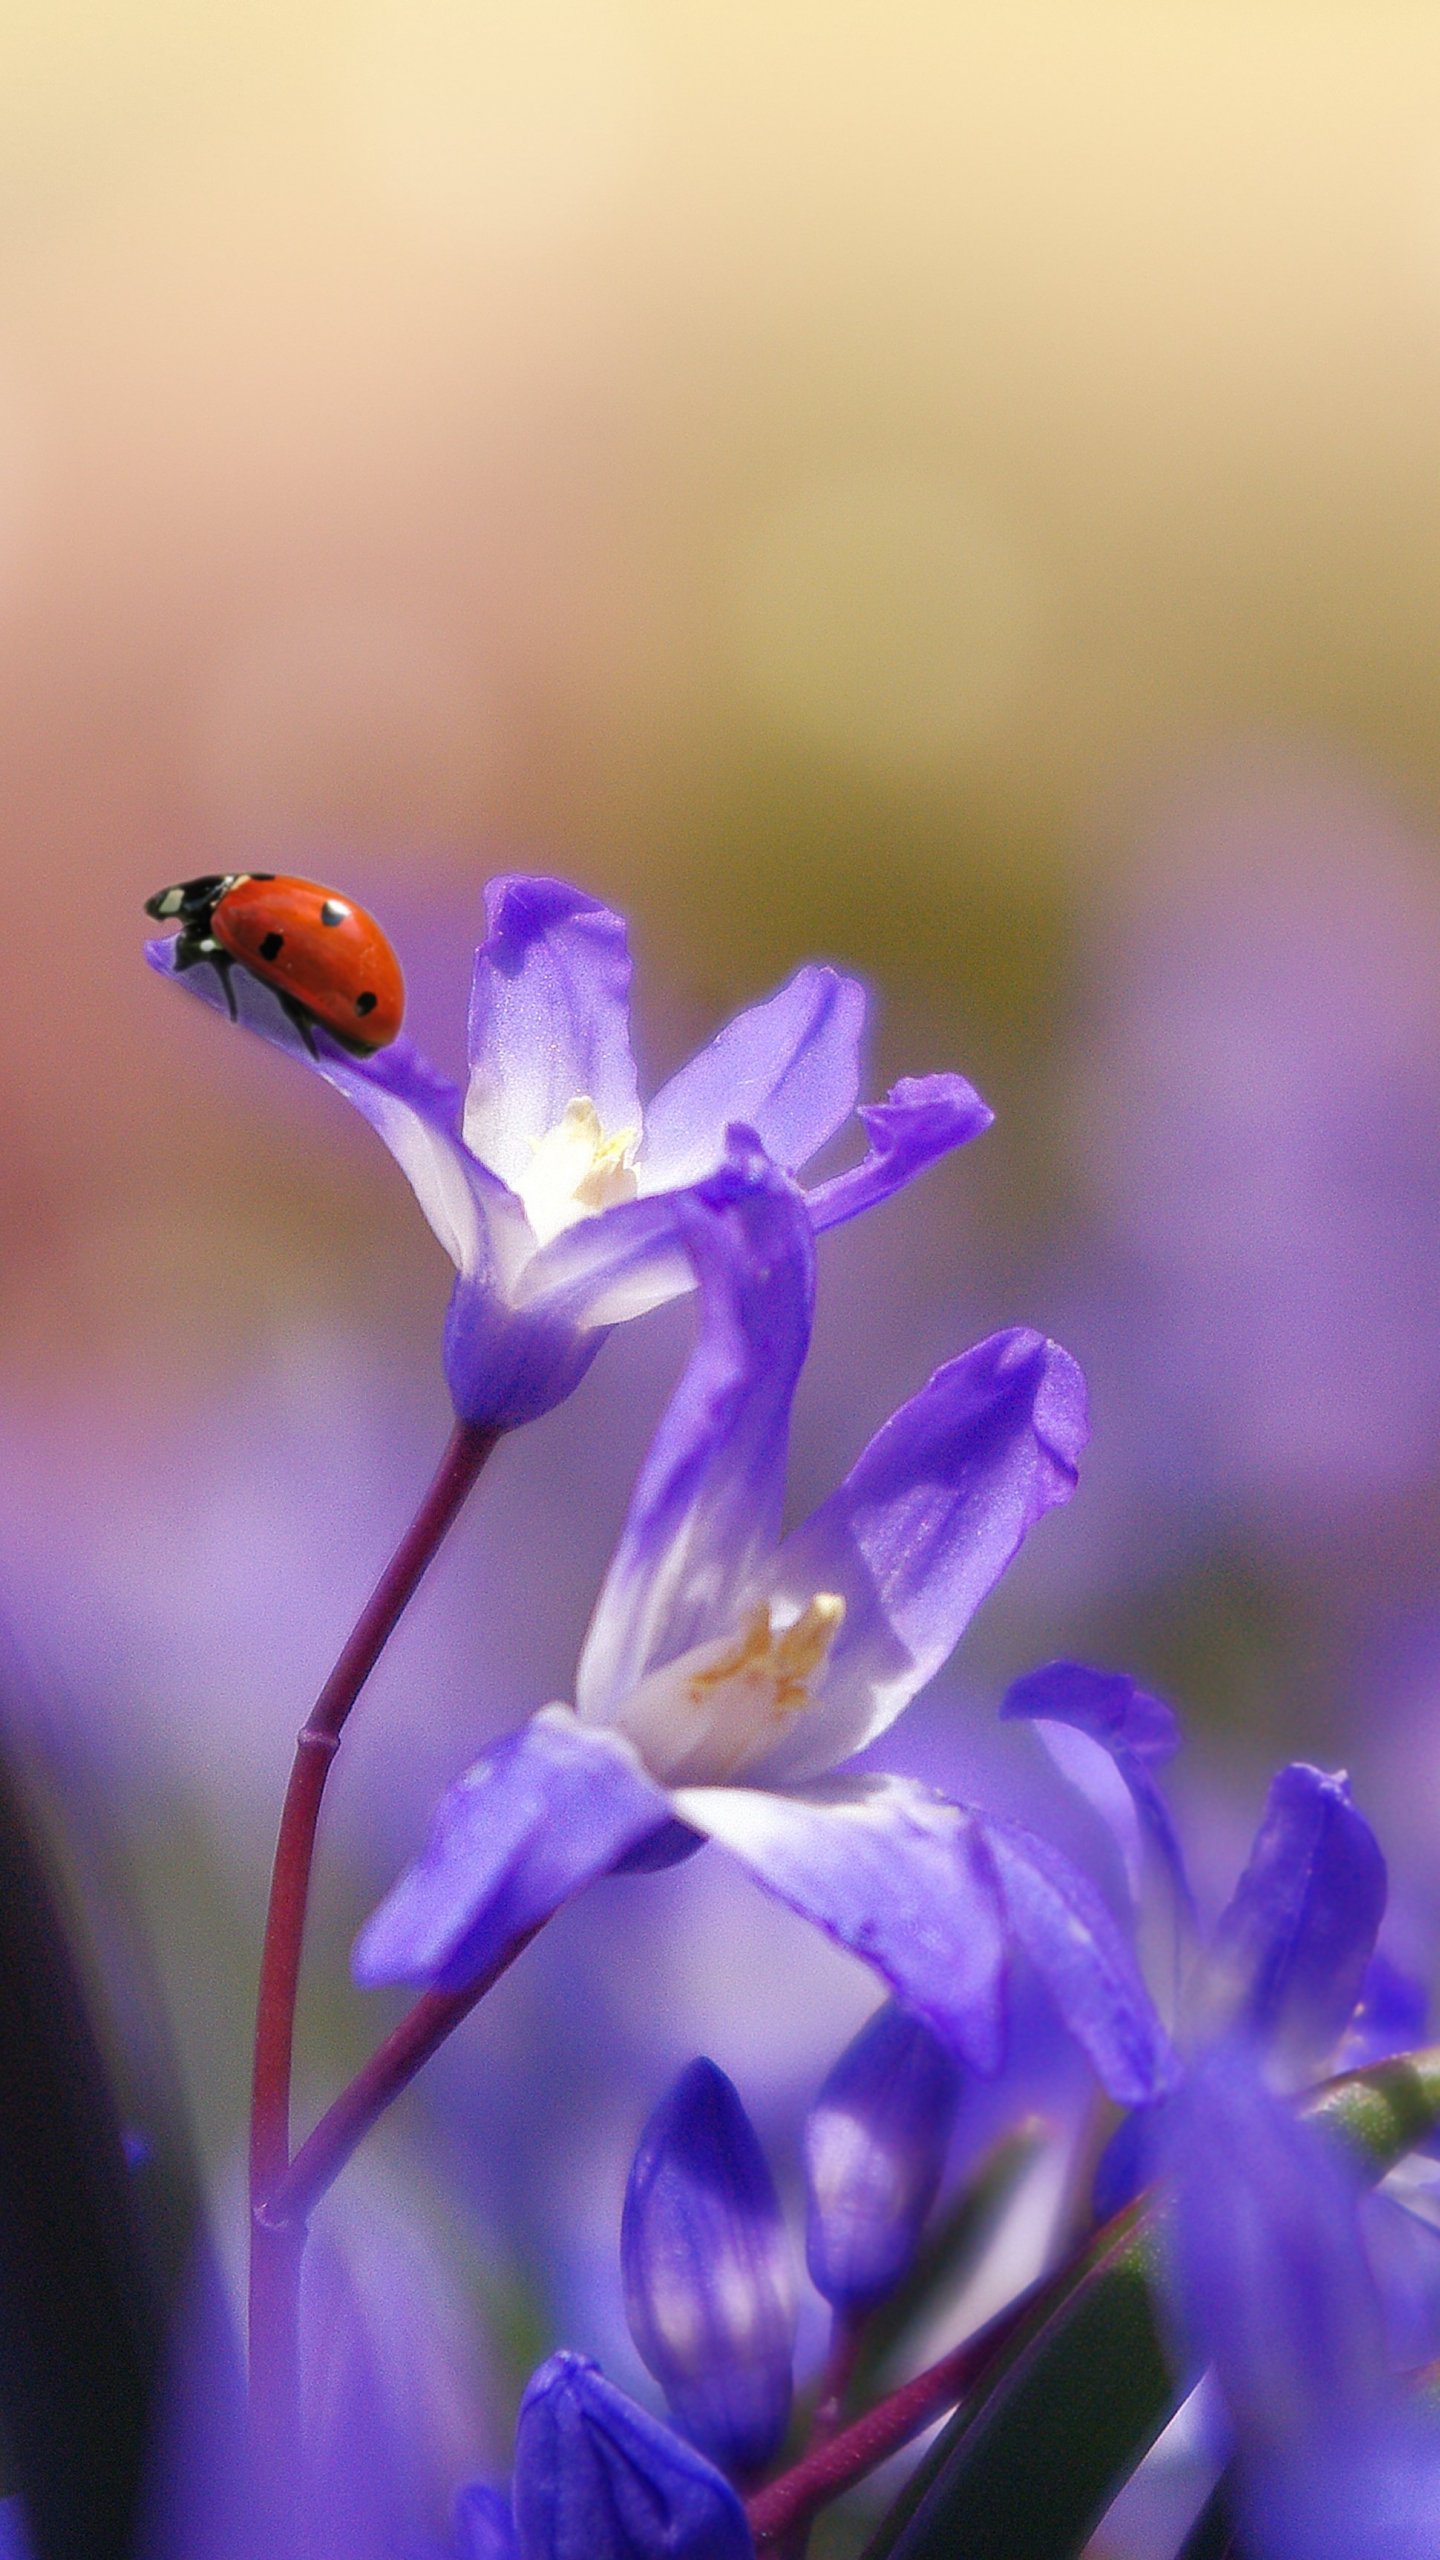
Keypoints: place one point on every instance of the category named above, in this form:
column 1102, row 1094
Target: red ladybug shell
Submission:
column 318, row 948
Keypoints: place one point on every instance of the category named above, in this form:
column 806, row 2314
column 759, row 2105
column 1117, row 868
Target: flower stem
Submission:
column 361, row 2103
column 275, row 2253
column 834, row 2466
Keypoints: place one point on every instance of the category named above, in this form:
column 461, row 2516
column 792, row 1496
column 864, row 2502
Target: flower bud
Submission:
column 484, row 2525
column 706, row 2262
column 597, row 2478
column 875, row 2145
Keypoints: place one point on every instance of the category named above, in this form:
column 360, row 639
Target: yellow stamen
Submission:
column 610, row 1177
column 783, row 1663
column 577, row 1169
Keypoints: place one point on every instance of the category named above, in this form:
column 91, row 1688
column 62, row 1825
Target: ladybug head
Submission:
column 188, row 902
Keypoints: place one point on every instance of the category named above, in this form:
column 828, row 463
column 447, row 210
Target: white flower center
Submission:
column 699, row 1719
column 576, row 1170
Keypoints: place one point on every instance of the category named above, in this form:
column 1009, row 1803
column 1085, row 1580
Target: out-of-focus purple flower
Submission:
column 1291, row 2324
column 556, row 1199
column 726, row 1671
column 1289, row 1959
column 709, row 2281
column 597, row 2478
column 394, row 2399
column 1108, row 1736
column 1262, row 1130
column 1286, row 1962
column 1335, row 2462
column 1290, row 1951
column 875, row 2146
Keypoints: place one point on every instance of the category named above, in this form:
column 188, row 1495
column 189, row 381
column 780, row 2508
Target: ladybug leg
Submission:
column 296, row 1015
column 190, row 951
column 221, row 964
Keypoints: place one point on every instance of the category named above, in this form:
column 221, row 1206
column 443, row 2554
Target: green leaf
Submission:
column 81, row 2310
column 1031, row 2461
column 1028, row 2465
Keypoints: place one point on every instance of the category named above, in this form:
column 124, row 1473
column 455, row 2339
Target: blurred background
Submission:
column 948, row 488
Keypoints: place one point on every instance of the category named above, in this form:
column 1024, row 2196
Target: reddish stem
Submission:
column 834, row 2466
column 361, row 2103
column 847, row 2336
column 275, row 2254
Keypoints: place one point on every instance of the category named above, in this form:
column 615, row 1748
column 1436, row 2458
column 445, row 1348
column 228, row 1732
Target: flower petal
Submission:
column 1291, row 1948
column 1080, row 1714
column 789, row 1068
column 1337, row 2460
column 890, row 1872
column 707, row 1504
column 1105, row 1704
column 412, row 1108
column 1274, row 2284
column 1368, row 2492
column 549, row 1021
column 547, row 1810
column 1059, row 1920
column 1391, row 2016
column 597, row 2478
column 920, row 1120
column 607, row 1268
column 923, row 1526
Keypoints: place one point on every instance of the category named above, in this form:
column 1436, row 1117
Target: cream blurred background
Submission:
column 802, row 469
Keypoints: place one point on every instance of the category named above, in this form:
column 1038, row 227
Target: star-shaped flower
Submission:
column 728, row 1671
column 555, row 1195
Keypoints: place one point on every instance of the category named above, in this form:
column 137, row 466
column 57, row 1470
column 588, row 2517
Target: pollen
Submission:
column 714, row 1711
column 782, row 1665
column 578, row 1168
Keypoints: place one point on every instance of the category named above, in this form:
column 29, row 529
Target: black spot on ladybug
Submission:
column 259, row 875
column 272, row 946
column 366, row 1003
column 333, row 913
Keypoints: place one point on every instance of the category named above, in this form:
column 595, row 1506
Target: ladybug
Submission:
column 324, row 957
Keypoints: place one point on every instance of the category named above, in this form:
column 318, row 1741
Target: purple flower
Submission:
column 1292, row 1953
column 875, row 2146
column 1334, row 2461
column 709, row 2283
column 597, row 2478
column 1259, row 1125
column 1287, row 1966
column 728, row 1670
column 557, row 1200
